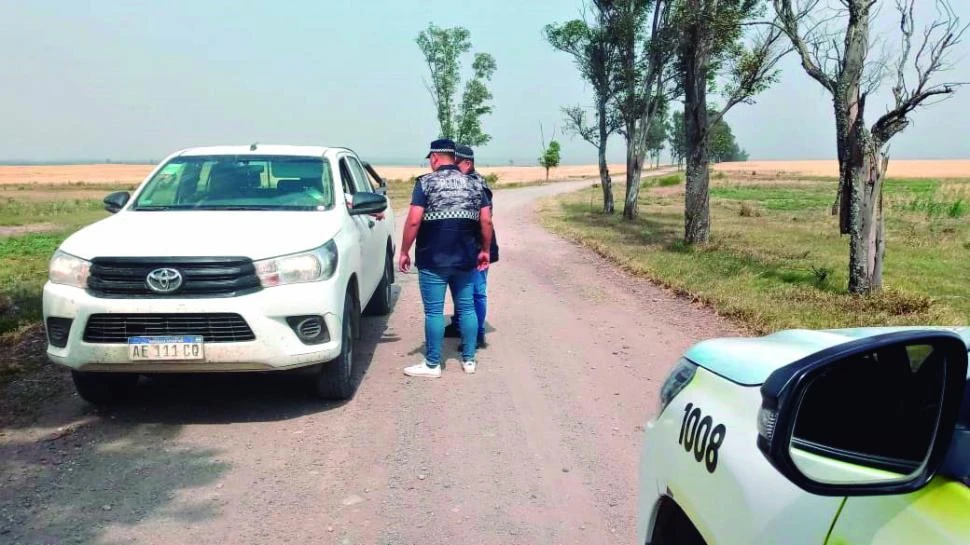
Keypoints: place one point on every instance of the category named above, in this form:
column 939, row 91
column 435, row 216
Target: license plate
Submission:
column 188, row 347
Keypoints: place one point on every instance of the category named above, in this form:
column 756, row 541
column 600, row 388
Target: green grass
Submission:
column 23, row 271
column 65, row 213
column 776, row 259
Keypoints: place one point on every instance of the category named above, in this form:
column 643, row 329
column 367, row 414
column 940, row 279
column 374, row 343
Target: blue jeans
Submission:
column 481, row 300
column 434, row 284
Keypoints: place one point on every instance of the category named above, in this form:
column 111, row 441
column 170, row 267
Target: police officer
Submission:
column 466, row 163
column 451, row 220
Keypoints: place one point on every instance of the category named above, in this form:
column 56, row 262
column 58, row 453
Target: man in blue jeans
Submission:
column 451, row 222
column 466, row 163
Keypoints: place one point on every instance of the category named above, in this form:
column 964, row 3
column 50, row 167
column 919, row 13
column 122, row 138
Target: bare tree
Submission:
column 712, row 35
column 835, row 50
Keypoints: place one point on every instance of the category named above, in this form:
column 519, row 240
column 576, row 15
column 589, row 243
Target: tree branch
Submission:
column 755, row 70
column 789, row 20
column 939, row 39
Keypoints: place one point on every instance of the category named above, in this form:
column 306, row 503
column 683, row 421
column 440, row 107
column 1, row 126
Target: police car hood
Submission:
column 749, row 360
column 203, row 233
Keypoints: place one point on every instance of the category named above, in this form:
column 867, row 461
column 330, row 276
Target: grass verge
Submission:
column 776, row 259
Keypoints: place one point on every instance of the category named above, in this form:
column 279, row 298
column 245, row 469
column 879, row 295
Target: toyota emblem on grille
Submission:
column 164, row 280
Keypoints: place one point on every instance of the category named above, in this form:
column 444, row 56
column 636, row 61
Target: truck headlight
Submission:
column 313, row 266
column 68, row 270
column 678, row 378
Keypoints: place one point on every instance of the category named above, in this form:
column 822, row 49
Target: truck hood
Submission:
column 252, row 234
column 749, row 360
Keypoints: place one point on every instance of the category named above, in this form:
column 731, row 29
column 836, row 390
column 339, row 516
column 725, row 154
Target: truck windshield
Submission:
column 247, row 182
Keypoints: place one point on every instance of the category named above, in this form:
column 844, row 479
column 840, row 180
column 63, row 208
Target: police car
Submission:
column 851, row 436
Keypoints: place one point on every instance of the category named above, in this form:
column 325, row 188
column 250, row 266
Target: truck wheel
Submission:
column 674, row 528
column 103, row 388
column 380, row 302
column 335, row 381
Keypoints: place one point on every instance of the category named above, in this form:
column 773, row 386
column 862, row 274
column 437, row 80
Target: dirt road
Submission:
column 539, row 447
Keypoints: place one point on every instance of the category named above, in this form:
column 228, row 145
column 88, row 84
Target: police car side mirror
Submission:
column 116, row 201
column 368, row 203
column 868, row 417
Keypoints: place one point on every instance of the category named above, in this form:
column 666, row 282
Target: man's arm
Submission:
column 411, row 225
column 485, row 254
column 416, row 213
column 485, row 220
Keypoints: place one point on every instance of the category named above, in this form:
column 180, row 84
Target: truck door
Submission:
column 937, row 514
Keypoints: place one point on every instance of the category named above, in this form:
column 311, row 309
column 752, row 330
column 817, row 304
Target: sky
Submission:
column 136, row 80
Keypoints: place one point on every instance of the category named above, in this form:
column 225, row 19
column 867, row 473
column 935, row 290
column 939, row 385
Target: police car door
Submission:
column 937, row 514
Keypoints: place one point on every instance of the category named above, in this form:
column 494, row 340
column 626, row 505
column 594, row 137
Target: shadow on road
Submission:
column 76, row 486
column 219, row 398
column 243, row 397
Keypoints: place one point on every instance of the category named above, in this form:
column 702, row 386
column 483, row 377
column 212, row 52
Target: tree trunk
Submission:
column 861, row 166
column 605, row 182
column 868, row 244
column 634, row 166
column 697, row 210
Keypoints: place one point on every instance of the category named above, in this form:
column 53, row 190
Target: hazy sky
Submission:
column 137, row 80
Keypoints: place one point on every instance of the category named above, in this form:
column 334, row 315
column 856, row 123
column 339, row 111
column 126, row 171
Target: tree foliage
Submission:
column 719, row 44
column 442, row 49
column 642, row 32
column 657, row 134
column 676, row 137
column 595, row 55
column 722, row 146
column 550, row 157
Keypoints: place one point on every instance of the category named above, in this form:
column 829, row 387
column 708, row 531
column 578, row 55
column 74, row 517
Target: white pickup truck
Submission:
column 231, row 258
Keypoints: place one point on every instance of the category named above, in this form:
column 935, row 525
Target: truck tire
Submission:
column 103, row 388
column 335, row 380
column 380, row 302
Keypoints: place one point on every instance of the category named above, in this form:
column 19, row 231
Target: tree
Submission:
column 442, row 49
column 835, row 51
column 723, row 146
column 657, row 134
column 676, row 137
column 713, row 47
column 595, row 56
column 641, row 31
column 550, row 157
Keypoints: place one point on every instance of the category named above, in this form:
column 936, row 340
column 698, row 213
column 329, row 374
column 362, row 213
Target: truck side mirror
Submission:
column 368, row 203
column 116, row 201
column 868, row 417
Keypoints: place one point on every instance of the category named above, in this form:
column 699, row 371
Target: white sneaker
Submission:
column 423, row 370
column 469, row 366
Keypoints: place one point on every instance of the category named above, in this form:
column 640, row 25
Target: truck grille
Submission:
column 118, row 277
column 214, row 328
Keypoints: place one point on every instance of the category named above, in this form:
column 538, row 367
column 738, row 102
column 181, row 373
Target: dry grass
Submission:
column 776, row 259
column 957, row 168
column 83, row 176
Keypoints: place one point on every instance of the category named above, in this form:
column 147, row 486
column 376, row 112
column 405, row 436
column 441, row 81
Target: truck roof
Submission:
column 260, row 149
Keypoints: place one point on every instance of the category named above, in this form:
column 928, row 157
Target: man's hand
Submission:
column 404, row 263
column 484, row 259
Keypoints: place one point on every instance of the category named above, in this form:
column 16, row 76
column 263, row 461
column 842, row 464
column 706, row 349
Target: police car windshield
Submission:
column 240, row 183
